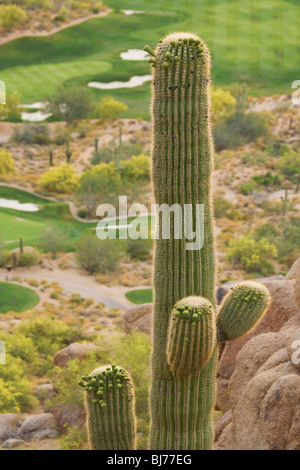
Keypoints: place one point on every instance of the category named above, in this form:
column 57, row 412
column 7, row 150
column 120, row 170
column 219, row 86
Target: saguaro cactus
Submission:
column 109, row 400
column 186, row 324
column 184, row 357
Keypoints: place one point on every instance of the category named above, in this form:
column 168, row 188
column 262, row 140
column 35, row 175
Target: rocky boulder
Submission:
column 42, row 426
column 139, row 318
column 283, row 308
column 74, row 350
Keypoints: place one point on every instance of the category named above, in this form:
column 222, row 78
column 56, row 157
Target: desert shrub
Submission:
column 12, row 110
column 285, row 236
column 107, row 154
column 11, row 15
column 4, row 256
column 289, row 166
column 249, row 187
column 15, row 389
column 139, row 249
column 239, row 129
column 252, row 255
column 29, row 258
column 53, row 240
column 256, row 158
column 267, row 179
column 47, row 336
column 32, row 133
column 74, row 439
column 62, row 15
column 71, row 104
column 98, row 256
column 110, row 109
column 223, row 103
column 224, row 208
column 137, row 168
column 7, row 164
column 82, row 213
column 60, row 179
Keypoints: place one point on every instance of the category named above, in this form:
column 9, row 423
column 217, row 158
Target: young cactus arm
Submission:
column 192, row 335
column 182, row 162
column 243, row 306
column 109, row 401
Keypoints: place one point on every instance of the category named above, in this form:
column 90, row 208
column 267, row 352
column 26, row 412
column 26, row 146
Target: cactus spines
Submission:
column 192, row 335
column 241, row 309
column 182, row 163
column 110, row 402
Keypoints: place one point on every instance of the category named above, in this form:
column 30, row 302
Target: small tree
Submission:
column 71, row 104
column 7, row 164
column 53, row 241
column 61, row 179
column 98, row 256
column 11, row 110
column 110, row 109
column 99, row 185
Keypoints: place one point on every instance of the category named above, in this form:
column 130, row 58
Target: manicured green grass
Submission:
column 47, row 77
column 7, row 192
column 140, row 296
column 251, row 41
column 30, row 226
column 16, row 298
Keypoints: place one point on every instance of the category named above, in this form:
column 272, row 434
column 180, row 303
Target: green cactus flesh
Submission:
column 192, row 335
column 182, row 163
column 241, row 309
column 109, row 400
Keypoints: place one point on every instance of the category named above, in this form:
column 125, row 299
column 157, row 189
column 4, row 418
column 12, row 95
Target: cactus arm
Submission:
column 192, row 335
column 110, row 402
column 241, row 309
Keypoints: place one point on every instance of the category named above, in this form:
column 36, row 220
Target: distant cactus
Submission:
column 109, row 399
column 96, row 145
column 21, row 245
column 50, row 157
column 68, row 152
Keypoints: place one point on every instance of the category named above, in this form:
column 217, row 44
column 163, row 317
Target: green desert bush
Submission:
column 32, row 133
column 15, row 388
column 98, row 256
column 110, row 109
column 29, row 258
column 224, row 208
column 11, row 16
column 139, row 249
column 33, row 343
column 252, row 255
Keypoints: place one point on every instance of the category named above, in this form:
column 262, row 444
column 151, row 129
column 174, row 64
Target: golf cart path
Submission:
column 74, row 282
